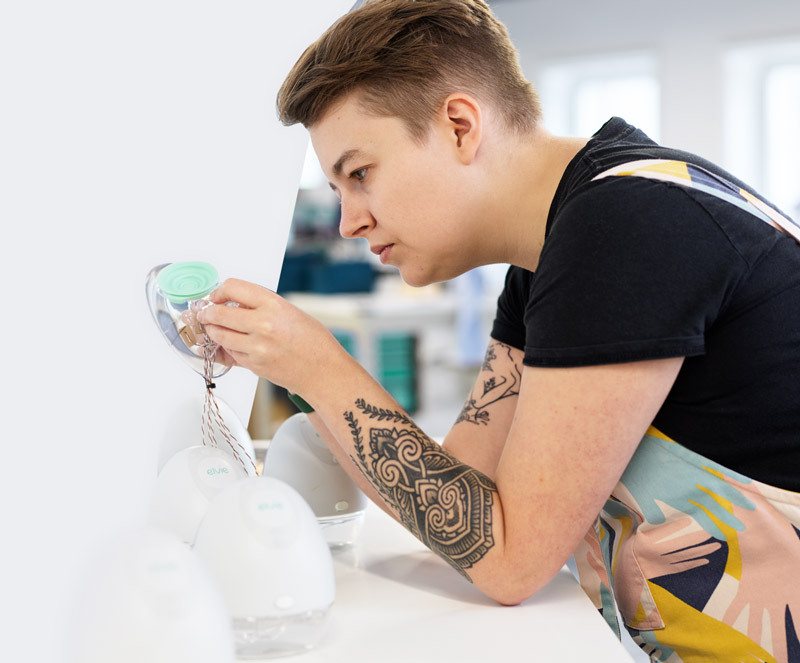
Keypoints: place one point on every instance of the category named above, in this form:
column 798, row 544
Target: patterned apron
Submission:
column 703, row 563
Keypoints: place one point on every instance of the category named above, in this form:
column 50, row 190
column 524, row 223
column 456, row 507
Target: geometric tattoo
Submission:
column 475, row 410
column 446, row 504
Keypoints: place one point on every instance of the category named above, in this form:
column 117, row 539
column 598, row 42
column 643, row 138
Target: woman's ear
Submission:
column 463, row 124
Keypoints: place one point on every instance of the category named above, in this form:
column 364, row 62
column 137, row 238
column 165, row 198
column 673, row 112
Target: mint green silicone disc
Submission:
column 184, row 281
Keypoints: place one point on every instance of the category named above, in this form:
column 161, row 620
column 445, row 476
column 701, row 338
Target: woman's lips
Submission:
column 382, row 251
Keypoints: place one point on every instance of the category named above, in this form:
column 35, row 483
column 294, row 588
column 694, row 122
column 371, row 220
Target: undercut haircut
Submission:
column 403, row 58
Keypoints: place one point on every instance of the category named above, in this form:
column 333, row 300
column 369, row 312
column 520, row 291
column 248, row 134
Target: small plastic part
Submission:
column 184, row 281
column 300, row 403
column 176, row 293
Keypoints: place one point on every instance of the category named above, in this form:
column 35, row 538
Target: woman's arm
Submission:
column 572, row 433
column 479, row 433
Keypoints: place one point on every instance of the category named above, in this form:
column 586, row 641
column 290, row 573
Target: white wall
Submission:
column 688, row 36
column 131, row 134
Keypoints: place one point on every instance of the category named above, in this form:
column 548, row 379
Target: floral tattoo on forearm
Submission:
column 494, row 389
column 443, row 502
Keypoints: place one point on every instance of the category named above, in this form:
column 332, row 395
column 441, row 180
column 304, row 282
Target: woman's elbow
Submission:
column 511, row 589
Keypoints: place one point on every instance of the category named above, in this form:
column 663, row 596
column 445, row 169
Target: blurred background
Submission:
column 717, row 77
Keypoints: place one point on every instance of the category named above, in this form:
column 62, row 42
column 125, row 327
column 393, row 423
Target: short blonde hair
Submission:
column 404, row 57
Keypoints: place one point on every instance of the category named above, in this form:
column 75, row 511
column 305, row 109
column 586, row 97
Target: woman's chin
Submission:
column 416, row 279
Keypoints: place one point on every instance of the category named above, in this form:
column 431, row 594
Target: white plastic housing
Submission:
column 265, row 549
column 186, row 486
column 150, row 599
column 183, row 430
column 299, row 456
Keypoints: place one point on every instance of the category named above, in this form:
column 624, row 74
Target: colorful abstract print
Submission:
column 695, row 177
column 702, row 562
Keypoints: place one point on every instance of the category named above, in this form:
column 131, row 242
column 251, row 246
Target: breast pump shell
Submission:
column 175, row 293
column 149, row 598
column 299, row 456
column 262, row 543
column 265, row 549
column 186, row 486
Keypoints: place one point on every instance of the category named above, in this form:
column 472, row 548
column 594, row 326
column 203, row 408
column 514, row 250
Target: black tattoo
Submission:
column 446, row 504
column 487, row 360
column 493, row 390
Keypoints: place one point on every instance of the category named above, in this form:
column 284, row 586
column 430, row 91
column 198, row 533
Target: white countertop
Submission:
column 398, row 602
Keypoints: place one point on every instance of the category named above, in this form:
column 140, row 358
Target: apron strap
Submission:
column 695, row 177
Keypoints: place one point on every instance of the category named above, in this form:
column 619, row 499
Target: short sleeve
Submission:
column 631, row 270
column 509, row 322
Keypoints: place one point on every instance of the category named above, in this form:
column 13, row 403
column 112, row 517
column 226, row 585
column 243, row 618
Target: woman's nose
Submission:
column 356, row 218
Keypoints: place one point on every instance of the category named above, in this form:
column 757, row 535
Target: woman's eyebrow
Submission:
column 346, row 156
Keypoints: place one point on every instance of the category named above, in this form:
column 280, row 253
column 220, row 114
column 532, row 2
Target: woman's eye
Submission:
column 359, row 174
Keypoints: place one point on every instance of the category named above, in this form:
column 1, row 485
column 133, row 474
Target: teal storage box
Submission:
column 342, row 277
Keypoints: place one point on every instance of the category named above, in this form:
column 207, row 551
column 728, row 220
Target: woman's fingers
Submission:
column 231, row 317
column 221, row 356
column 244, row 293
column 231, row 340
column 267, row 335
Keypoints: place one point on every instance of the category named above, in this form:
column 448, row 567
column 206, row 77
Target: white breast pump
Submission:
column 263, row 546
column 300, row 457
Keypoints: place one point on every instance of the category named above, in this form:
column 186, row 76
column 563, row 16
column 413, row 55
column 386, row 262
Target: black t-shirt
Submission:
column 635, row 269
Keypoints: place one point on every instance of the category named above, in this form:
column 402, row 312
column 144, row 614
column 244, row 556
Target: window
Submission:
column 578, row 96
column 762, row 129
column 782, row 136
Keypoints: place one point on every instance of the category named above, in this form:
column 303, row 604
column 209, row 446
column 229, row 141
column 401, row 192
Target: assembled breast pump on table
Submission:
column 262, row 542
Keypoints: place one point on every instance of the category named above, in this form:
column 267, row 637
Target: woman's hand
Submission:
column 272, row 338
